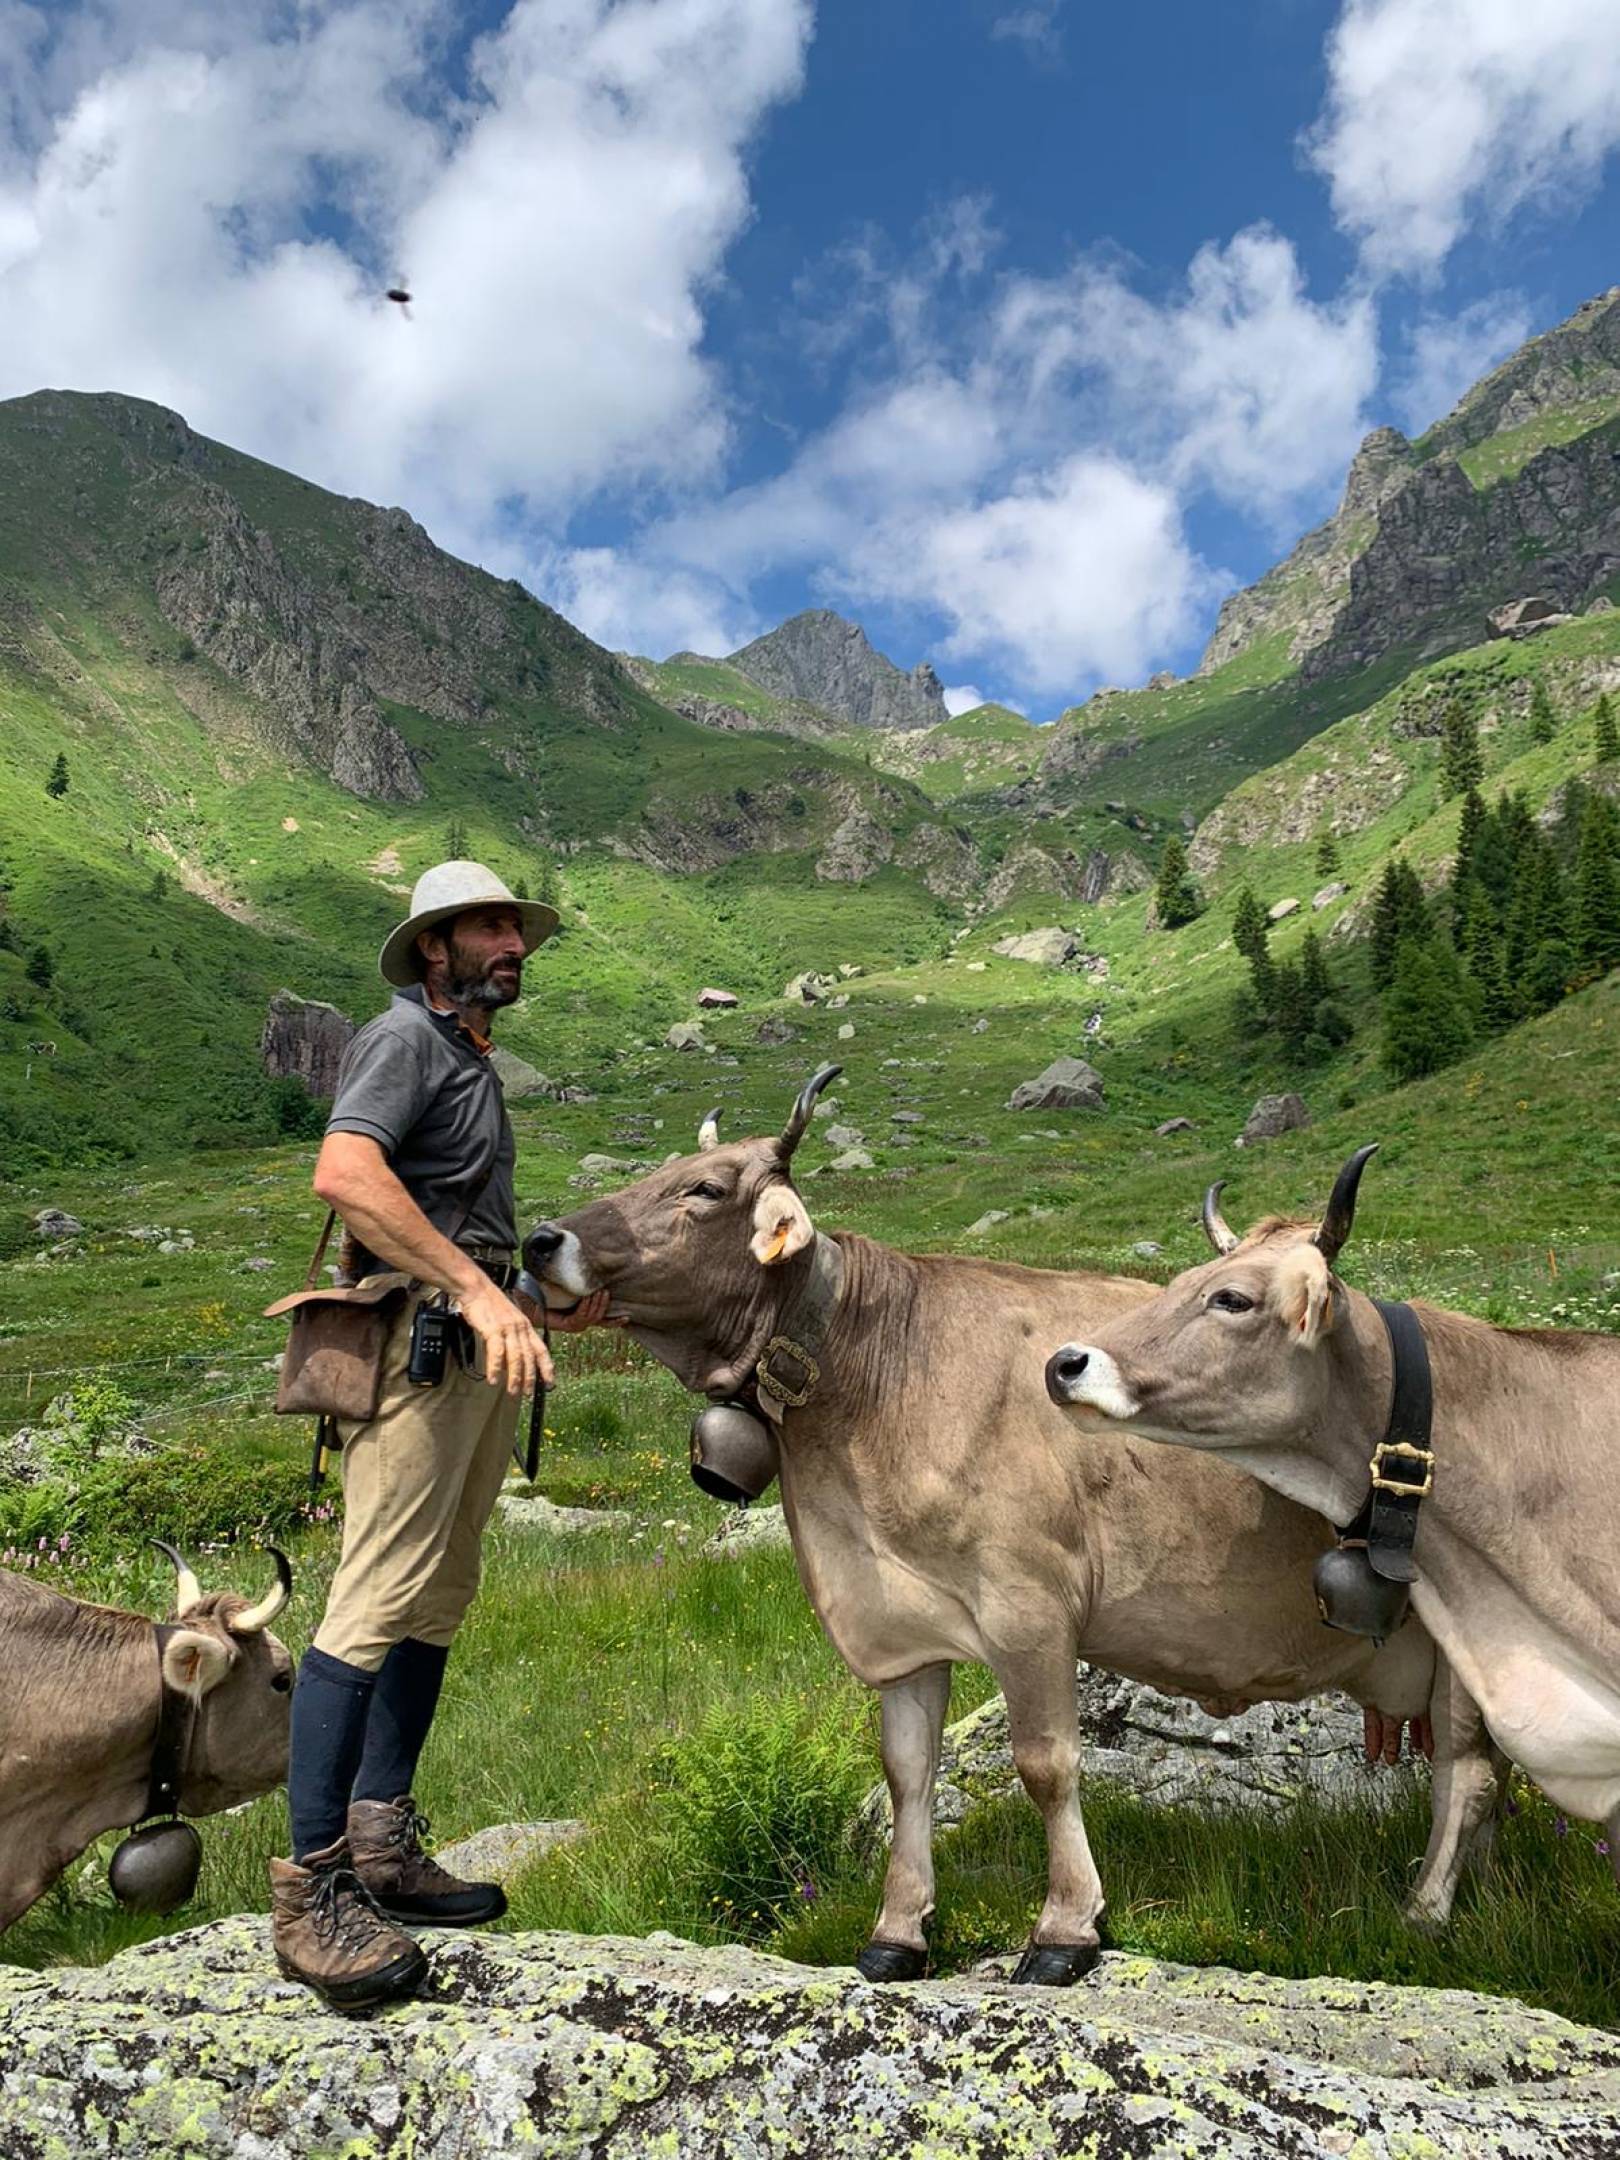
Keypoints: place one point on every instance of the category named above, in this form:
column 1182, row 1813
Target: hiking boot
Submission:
column 385, row 1837
column 327, row 1931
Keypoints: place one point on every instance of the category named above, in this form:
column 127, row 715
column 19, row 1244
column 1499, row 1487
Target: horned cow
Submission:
column 940, row 1510
column 79, row 1715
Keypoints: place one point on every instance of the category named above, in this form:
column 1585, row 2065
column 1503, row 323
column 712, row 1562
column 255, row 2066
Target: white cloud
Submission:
column 962, row 697
column 1443, row 112
column 167, row 227
column 632, row 604
column 1448, row 354
column 1035, row 27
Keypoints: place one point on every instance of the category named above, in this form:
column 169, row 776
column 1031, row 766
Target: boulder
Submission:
column 906, row 1117
column 518, row 1078
column 773, row 1032
column 608, row 1165
column 809, row 988
column 749, row 1530
column 1066, row 1084
column 1280, row 910
column 1167, row 1750
column 1325, row 895
column 304, row 1040
column 1173, row 1125
column 561, row 2044
column 717, row 1000
column 1146, row 1249
column 1274, row 1114
column 502, row 1852
column 1041, row 948
column 55, row 1222
column 847, row 1032
column 849, row 969
column 844, row 1136
column 988, row 1221
column 686, row 1035
column 533, row 1511
column 855, row 1158
column 1521, row 618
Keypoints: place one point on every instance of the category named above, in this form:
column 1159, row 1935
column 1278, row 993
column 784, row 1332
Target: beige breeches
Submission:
column 420, row 1481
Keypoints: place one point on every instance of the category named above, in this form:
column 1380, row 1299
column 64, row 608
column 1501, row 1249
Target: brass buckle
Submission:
column 1412, row 1490
column 779, row 1389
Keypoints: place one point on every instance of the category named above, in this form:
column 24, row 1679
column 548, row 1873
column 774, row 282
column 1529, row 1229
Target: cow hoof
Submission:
column 891, row 1961
column 1055, row 1964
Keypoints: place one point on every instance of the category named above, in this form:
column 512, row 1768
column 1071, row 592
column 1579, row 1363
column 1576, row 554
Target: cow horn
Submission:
column 187, row 1589
column 796, row 1124
column 1341, row 1207
column 258, row 1617
column 709, row 1131
column 1223, row 1239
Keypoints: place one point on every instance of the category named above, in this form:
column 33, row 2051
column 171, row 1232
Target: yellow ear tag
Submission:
column 775, row 1249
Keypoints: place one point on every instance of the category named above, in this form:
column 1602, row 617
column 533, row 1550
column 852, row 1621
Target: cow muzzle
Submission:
column 1079, row 1377
column 734, row 1453
column 554, row 1259
column 155, row 1870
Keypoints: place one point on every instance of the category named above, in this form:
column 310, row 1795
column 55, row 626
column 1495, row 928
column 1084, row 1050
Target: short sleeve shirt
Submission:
column 415, row 1081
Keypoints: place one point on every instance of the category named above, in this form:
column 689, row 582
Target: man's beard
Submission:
column 465, row 985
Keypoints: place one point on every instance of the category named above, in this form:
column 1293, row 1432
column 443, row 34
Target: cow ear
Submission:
column 194, row 1662
column 1306, row 1293
column 782, row 1225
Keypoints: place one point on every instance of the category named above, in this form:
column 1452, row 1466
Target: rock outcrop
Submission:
column 557, row 2045
column 1272, row 1116
column 822, row 657
column 857, row 850
column 1066, row 1084
column 304, row 1040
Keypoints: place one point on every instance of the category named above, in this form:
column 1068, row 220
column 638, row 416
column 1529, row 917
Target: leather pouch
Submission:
column 332, row 1366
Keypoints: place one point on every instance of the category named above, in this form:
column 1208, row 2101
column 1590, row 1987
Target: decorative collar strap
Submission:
column 176, row 1717
column 1401, row 1472
column 789, row 1369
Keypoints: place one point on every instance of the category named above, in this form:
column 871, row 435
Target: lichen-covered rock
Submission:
column 857, row 850
column 554, row 2046
column 1066, row 1084
column 1273, row 1115
column 304, row 1040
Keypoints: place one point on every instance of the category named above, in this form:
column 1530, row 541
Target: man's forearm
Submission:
column 379, row 1211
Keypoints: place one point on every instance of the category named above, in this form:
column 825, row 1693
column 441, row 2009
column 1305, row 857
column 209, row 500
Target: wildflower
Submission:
column 1600, row 1845
column 1560, row 1826
column 808, row 1891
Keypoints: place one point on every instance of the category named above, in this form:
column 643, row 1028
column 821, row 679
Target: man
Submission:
column 418, row 1161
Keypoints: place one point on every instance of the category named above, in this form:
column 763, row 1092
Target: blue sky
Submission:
column 1021, row 330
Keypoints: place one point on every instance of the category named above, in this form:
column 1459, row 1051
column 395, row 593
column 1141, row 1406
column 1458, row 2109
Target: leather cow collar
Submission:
column 1362, row 1587
column 177, row 1719
column 788, row 1370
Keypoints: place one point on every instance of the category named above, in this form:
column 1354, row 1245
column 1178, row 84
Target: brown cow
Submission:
column 79, row 1712
column 940, row 1512
column 1263, row 1358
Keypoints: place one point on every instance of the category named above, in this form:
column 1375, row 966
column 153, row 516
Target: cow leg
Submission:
column 1469, row 1787
column 913, row 1723
column 1045, row 1731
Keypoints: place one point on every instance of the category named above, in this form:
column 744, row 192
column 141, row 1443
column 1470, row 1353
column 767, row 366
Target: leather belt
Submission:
column 496, row 1262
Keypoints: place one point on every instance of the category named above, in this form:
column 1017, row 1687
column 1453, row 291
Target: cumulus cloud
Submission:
column 1447, row 354
column 1440, row 112
column 962, row 697
column 633, row 602
column 201, row 205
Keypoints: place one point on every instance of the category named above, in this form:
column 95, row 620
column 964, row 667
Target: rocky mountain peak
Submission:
column 825, row 658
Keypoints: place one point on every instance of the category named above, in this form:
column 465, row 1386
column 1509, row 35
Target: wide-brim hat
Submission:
column 450, row 888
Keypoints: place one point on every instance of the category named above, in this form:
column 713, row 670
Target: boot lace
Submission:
column 344, row 1911
column 408, row 1833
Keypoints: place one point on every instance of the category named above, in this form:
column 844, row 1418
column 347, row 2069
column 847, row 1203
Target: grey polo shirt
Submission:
column 414, row 1081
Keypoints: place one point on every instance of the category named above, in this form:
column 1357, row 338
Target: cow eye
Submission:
column 281, row 1682
column 1231, row 1301
column 705, row 1189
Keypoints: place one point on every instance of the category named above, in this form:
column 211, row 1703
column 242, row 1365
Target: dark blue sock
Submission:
column 330, row 1705
column 402, row 1707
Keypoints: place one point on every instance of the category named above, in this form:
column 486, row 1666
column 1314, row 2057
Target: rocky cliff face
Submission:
column 821, row 657
column 304, row 1040
column 1517, row 490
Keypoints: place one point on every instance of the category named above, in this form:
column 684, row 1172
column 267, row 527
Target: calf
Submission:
column 938, row 1507
column 79, row 1715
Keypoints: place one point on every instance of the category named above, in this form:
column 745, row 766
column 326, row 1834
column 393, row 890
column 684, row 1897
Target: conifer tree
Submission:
column 57, row 785
column 1462, row 762
column 1483, row 956
column 1543, row 720
column 40, row 968
column 1428, row 1011
column 1470, row 825
column 1249, row 924
column 456, row 842
column 1605, row 734
column 1290, row 1004
column 1327, row 855
column 1314, row 970
column 1399, row 910
column 1595, row 915
column 1175, row 895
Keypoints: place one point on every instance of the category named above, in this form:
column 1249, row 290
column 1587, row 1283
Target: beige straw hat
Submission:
column 450, row 888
